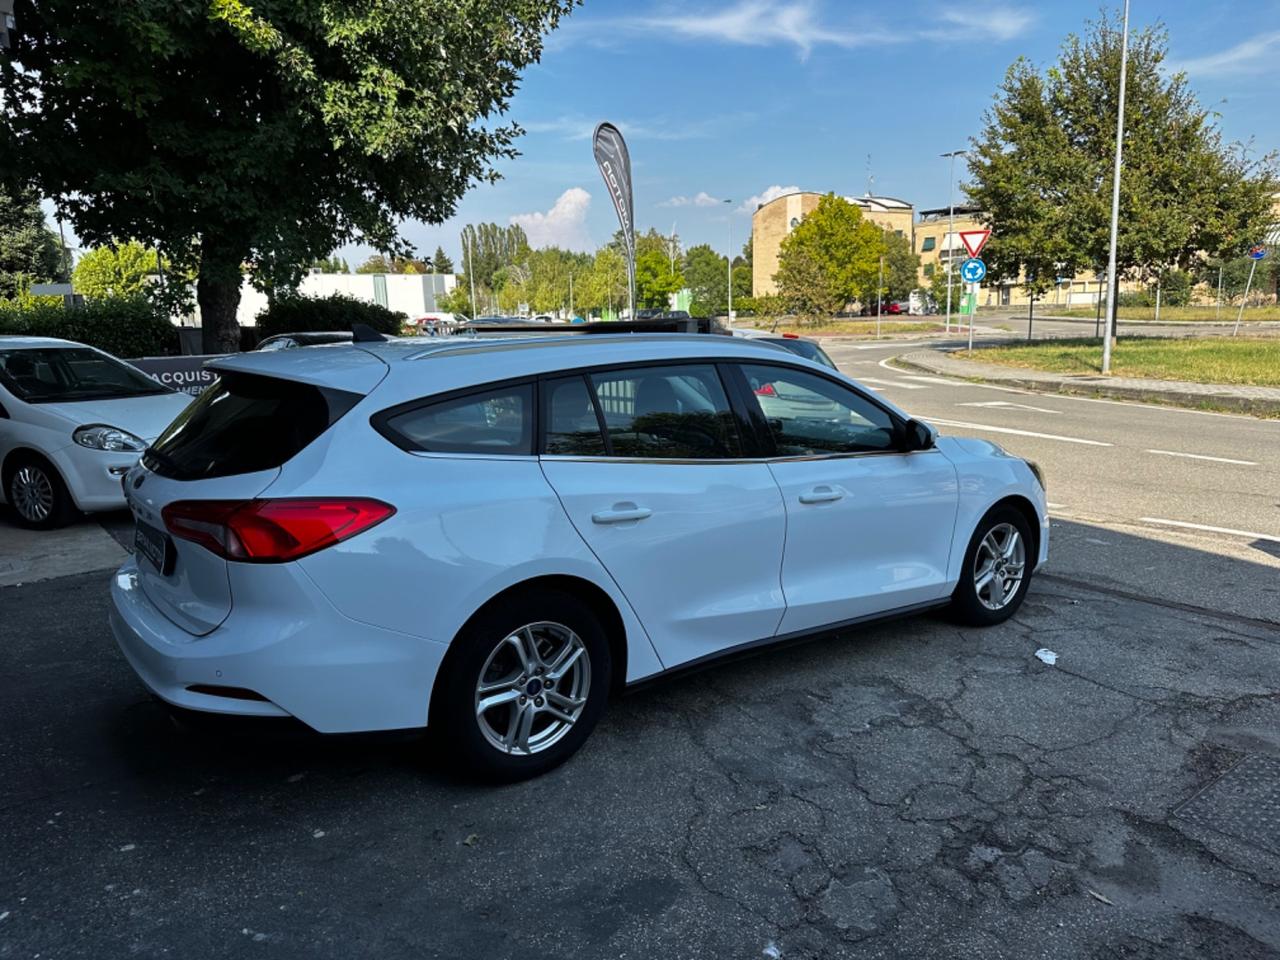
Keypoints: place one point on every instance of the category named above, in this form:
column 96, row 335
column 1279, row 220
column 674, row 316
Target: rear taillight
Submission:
column 272, row 531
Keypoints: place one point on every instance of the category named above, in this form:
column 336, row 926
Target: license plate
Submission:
column 154, row 546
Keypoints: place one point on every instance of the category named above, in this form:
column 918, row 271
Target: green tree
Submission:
column 440, row 261
column 331, row 264
column 830, row 259
column 124, row 270
column 655, row 280
column 29, row 251
column 457, row 300
column 377, row 263
column 706, row 275
column 266, row 133
column 901, row 267
column 487, row 248
column 1041, row 170
column 938, row 286
column 605, row 285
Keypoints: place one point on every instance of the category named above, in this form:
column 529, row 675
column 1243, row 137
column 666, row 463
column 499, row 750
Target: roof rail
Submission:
column 684, row 325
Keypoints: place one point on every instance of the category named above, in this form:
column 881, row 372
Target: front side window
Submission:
column 667, row 413
column 70, row 374
column 809, row 415
column 497, row 421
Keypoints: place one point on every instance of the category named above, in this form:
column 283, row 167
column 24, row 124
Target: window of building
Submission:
column 795, row 222
column 928, row 269
column 929, row 244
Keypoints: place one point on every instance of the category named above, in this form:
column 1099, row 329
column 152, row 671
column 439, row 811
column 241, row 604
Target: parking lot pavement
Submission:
column 917, row 790
column 87, row 544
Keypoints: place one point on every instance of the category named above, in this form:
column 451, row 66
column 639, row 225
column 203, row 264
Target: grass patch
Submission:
column 1242, row 360
column 1200, row 314
column 855, row 328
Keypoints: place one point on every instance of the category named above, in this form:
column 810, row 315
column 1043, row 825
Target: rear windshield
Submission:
column 804, row 348
column 71, row 374
column 244, row 423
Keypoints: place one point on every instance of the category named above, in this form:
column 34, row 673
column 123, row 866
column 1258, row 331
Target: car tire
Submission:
column 36, row 493
column 987, row 594
column 526, row 734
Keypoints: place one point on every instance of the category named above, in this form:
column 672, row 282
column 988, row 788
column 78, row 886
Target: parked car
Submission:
column 73, row 420
column 490, row 538
column 791, row 342
column 288, row 341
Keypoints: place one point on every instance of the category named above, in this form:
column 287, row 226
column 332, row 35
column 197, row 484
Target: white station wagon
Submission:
column 492, row 537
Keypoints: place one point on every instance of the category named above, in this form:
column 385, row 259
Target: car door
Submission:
column 647, row 461
column 869, row 526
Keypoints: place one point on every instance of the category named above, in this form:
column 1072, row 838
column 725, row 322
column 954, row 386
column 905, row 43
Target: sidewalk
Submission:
column 1262, row 401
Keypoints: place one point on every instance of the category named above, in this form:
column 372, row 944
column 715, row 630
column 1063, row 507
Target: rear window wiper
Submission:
column 163, row 459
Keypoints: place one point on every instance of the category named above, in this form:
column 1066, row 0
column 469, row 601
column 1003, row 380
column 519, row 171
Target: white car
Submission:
column 73, row 420
column 492, row 537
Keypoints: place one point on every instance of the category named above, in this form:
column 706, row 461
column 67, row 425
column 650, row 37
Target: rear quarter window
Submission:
column 244, row 423
column 495, row 421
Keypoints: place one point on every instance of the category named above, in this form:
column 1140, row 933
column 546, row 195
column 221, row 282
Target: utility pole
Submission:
column 730, row 317
column 951, row 227
column 1112, row 279
column 571, row 314
column 1217, row 314
column 1245, row 299
column 880, row 297
column 471, row 271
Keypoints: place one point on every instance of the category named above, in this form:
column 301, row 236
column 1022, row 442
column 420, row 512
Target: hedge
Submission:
column 298, row 313
column 124, row 326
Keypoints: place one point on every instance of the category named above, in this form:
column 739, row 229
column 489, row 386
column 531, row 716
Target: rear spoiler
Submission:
column 704, row 325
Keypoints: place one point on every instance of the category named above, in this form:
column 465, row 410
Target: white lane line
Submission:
column 1007, row 404
column 954, row 383
column 1020, row 433
column 893, row 383
column 921, row 379
column 1201, row 526
column 1201, row 456
column 1056, row 506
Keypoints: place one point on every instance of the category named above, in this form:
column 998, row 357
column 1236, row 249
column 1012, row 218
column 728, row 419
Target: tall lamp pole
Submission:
column 730, row 317
column 1115, row 199
column 951, row 226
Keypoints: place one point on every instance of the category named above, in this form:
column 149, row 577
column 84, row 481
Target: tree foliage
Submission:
column 331, row 264
column 1041, row 170
column 440, row 261
column 29, row 251
column 123, row 270
column 487, row 248
column 901, row 267
column 655, row 278
column 707, row 277
column 230, row 132
column 830, row 259
column 124, row 326
column 295, row 313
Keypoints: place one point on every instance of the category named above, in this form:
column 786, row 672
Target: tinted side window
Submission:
column 570, row 417
column 809, row 415
column 496, row 421
column 667, row 413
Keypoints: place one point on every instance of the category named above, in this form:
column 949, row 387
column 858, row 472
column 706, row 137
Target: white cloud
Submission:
column 765, row 195
column 981, row 23
column 1250, row 56
column 759, row 23
column 564, row 225
column 659, row 128
column 700, row 199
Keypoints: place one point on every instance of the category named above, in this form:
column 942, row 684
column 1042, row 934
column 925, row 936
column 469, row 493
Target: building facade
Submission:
column 413, row 294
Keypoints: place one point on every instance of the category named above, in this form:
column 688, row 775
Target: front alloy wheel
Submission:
column 37, row 494
column 995, row 576
column 999, row 566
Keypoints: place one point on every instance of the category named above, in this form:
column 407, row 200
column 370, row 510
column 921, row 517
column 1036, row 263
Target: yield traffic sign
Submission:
column 974, row 240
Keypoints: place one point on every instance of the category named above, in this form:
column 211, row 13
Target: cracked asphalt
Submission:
column 915, row 790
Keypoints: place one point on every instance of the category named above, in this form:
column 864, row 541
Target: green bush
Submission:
column 295, row 314
column 124, row 326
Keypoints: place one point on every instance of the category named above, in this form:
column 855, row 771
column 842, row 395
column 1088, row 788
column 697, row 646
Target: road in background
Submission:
column 1174, row 476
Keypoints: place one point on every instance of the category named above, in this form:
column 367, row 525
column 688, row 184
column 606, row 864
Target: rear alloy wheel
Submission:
column 37, row 494
column 524, row 686
column 997, row 569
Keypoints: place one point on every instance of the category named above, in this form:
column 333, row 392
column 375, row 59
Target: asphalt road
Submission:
column 1204, row 482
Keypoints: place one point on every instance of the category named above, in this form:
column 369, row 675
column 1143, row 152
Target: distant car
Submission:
column 890, row 308
column 287, row 341
column 73, row 420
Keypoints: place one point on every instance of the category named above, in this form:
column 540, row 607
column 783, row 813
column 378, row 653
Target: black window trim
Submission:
column 381, row 420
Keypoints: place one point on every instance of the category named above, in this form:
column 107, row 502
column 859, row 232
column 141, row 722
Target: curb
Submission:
column 1257, row 406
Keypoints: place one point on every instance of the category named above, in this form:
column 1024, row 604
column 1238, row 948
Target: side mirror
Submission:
column 920, row 436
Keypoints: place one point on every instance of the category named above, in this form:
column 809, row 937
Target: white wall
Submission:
column 409, row 293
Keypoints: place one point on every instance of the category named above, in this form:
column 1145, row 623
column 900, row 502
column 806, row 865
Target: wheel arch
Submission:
column 16, row 456
column 601, row 604
column 1028, row 511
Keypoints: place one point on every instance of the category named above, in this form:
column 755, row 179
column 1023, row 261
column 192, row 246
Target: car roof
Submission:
column 14, row 341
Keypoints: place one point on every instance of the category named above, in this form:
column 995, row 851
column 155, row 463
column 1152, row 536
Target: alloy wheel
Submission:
column 31, row 493
column 532, row 688
column 998, row 566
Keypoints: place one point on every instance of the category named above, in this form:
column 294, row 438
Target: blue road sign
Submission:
column 1258, row 252
column 973, row 270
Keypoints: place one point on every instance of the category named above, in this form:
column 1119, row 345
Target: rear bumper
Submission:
column 334, row 674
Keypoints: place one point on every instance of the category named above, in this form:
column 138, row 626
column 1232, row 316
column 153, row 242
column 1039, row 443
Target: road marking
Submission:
column 1201, row 456
column 1007, row 404
column 1201, row 526
column 919, row 379
column 1020, row 433
column 893, row 383
column 1056, row 506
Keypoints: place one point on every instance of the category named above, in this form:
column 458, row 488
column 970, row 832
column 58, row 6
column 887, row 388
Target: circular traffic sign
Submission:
column 1257, row 252
column 973, row 270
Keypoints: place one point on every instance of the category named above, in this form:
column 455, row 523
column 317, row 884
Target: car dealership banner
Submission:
column 615, row 166
column 187, row 374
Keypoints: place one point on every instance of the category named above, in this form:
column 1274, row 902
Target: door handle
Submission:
column 822, row 494
column 621, row 513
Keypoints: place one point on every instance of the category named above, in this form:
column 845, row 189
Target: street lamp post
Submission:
column 951, row 226
column 1112, row 279
column 730, row 317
